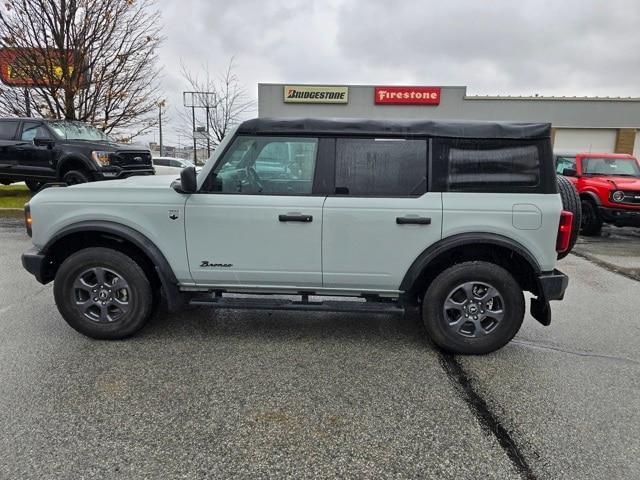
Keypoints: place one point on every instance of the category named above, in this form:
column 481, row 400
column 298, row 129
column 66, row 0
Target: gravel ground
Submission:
column 231, row 394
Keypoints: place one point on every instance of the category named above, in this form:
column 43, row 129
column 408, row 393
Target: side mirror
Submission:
column 569, row 172
column 188, row 182
column 42, row 142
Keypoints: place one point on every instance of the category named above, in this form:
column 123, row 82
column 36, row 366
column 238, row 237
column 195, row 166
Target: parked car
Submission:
column 457, row 219
column 38, row 151
column 169, row 165
column 608, row 185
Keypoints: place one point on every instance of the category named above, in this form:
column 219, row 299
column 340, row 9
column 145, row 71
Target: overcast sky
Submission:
column 506, row 47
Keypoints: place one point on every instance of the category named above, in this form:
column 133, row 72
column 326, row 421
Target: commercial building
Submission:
column 603, row 124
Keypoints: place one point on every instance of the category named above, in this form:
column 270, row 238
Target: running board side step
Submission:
column 253, row 303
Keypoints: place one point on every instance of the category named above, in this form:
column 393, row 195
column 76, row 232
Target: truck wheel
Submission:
column 103, row 293
column 74, row 177
column 33, row 185
column 473, row 308
column 591, row 220
column 570, row 203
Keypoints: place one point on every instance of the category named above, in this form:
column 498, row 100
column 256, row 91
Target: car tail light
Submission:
column 27, row 218
column 564, row 231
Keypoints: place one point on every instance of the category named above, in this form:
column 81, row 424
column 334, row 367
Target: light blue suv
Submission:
column 455, row 218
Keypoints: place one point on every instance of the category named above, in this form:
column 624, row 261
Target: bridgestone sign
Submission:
column 311, row 94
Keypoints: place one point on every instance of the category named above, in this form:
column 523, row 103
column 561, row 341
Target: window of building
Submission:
column 381, row 167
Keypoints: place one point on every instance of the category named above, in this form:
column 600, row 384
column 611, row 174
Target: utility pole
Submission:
column 208, row 140
column 27, row 101
column 193, row 118
column 160, row 105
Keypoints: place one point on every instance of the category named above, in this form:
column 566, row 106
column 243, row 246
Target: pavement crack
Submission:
column 628, row 273
column 484, row 415
column 525, row 343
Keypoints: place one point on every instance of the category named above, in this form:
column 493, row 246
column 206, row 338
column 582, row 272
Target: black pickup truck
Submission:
column 38, row 151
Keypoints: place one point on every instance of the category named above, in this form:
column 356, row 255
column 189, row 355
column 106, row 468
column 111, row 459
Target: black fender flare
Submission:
column 168, row 280
column 88, row 164
column 442, row 246
column 592, row 196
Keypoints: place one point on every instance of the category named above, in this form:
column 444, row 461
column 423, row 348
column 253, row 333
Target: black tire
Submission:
column 591, row 219
column 457, row 337
column 92, row 318
column 33, row 185
column 74, row 177
column 571, row 203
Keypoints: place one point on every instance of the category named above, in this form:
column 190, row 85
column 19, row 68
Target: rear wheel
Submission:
column 570, row 203
column 591, row 220
column 103, row 293
column 74, row 177
column 473, row 308
column 33, row 185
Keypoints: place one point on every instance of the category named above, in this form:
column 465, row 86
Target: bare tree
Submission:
column 225, row 96
column 90, row 60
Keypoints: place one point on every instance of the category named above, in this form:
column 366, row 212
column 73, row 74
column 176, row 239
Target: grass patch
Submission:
column 14, row 196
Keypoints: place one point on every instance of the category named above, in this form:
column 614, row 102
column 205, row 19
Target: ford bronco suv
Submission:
column 608, row 185
column 38, row 151
column 457, row 219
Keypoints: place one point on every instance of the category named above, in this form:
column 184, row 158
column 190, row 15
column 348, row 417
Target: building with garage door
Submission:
column 596, row 124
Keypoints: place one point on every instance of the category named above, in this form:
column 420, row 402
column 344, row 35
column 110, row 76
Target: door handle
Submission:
column 295, row 217
column 413, row 220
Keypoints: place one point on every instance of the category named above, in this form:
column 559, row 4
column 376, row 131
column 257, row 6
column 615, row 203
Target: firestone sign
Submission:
column 313, row 94
column 407, row 95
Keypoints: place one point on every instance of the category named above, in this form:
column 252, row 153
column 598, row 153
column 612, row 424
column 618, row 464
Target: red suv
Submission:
column 609, row 187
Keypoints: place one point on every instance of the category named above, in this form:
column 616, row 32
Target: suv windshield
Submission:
column 78, row 131
column 611, row 166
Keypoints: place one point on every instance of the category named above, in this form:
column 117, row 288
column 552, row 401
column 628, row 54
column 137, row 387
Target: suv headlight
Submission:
column 617, row 196
column 101, row 157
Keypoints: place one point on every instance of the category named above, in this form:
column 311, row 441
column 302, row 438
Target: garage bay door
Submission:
column 585, row 139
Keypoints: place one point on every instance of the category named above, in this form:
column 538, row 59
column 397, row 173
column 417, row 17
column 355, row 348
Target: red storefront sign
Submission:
column 30, row 67
column 407, row 95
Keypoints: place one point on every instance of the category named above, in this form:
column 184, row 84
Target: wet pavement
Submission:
column 231, row 394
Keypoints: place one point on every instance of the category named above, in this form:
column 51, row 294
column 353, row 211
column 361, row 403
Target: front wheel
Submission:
column 74, row 177
column 473, row 308
column 591, row 220
column 103, row 293
column 33, row 185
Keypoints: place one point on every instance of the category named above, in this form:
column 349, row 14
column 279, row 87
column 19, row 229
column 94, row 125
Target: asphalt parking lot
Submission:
column 205, row 394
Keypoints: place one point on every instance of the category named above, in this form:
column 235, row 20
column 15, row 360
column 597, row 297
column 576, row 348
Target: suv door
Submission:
column 249, row 225
column 382, row 216
column 34, row 161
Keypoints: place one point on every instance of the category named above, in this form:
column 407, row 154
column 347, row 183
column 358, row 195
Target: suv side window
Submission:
column 160, row 162
column 381, row 167
column 481, row 165
column 266, row 165
column 31, row 130
column 565, row 162
column 8, row 129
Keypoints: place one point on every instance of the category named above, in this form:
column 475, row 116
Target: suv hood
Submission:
column 133, row 182
column 109, row 146
column 621, row 183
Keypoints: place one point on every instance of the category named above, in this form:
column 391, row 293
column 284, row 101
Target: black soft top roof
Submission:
column 431, row 128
